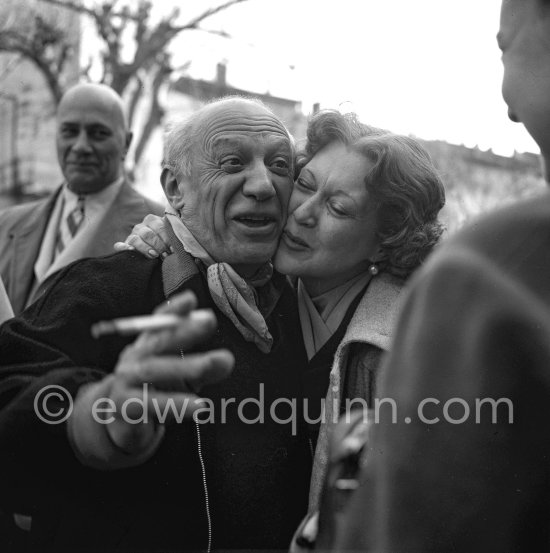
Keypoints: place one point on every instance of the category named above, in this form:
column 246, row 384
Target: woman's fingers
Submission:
column 139, row 244
column 157, row 226
column 122, row 246
column 150, row 237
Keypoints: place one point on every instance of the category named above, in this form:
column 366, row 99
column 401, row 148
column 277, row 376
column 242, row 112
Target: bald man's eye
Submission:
column 99, row 134
column 231, row 164
column 68, row 132
column 280, row 165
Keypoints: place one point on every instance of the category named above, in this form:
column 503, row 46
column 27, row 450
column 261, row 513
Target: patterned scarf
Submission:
column 247, row 303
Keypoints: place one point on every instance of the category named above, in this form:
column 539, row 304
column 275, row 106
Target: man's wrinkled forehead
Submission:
column 240, row 119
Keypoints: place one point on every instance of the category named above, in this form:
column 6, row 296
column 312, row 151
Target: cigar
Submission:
column 128, row 326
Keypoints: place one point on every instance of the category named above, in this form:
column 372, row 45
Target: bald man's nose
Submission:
column 82, row 142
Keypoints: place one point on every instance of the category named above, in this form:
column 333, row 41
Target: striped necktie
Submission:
column 69, row 227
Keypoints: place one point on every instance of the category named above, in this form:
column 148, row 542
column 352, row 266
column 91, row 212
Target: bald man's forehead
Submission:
column 90, row 108
column 97, row 99
column 240, row 118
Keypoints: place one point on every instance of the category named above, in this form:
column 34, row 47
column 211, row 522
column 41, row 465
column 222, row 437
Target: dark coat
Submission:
column 475, row 325
column 257, row 475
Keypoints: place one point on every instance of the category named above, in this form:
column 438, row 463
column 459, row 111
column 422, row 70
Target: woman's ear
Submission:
column 172, row 189
column 377, row 257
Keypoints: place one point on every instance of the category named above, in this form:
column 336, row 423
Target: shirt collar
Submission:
column 103, row 197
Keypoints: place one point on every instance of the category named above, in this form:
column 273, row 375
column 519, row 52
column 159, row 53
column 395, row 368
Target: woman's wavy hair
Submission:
column 403, row 183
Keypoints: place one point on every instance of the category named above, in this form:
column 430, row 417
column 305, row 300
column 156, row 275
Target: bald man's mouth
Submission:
column 252, row 223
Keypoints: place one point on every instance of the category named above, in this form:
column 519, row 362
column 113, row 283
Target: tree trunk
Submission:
column 155, row 114
column 133, row 102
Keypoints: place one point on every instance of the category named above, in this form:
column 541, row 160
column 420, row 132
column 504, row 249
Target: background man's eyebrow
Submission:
column 97, row 126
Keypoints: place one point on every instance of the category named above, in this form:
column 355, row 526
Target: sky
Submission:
column 430, row 68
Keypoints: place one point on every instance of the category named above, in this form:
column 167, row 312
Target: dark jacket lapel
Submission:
column 26, row 238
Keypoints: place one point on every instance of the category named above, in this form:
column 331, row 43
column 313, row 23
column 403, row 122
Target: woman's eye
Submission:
column 304, row 185
column 338, row 210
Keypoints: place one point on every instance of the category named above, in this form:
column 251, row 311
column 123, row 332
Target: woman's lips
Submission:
column 294, row 242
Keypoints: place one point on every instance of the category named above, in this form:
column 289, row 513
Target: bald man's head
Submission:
column 92, row 137
column 228, row 172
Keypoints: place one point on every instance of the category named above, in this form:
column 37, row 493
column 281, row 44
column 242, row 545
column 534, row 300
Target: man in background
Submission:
column 93, row 208
column 455, row 474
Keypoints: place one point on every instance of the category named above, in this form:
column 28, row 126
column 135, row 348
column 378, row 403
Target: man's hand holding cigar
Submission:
column 115, row 421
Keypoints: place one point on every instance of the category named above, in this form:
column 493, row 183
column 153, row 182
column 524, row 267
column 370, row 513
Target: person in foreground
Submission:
column 475, row 326
column 362, row 217
column 94, row 203
column 228, row 481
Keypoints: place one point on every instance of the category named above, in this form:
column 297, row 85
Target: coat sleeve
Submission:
column 46, row 354
column 455, row 470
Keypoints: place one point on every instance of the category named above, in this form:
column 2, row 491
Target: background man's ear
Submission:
column 128, row 141
column 171, row 187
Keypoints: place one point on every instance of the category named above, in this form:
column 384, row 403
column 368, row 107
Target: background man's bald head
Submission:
column 92, row 137
column 95, row 94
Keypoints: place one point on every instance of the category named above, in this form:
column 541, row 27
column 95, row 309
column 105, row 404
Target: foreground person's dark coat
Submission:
column 257, row 475
column 475, row 326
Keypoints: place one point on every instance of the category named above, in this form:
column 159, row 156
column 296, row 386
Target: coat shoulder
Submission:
column 11, row 216
column 375, row 317
column 147, row 204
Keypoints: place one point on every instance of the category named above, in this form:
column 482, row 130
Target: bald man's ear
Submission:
column 172, row 189
column 128, row 141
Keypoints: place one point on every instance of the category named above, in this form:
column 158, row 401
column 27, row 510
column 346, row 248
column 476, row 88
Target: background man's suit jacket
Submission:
column 22, row 229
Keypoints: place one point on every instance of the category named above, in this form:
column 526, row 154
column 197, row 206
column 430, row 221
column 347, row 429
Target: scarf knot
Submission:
column 246, row 303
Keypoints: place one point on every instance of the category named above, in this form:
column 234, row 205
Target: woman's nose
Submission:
column 306, row 213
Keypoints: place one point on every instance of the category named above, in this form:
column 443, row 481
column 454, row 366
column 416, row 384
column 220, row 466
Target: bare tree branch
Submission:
column 106, row 9
column 134, row 99
column 38, row 45
column 113, row 20
column 193, row 23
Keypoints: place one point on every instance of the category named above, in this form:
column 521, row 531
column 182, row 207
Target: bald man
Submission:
column 234, row 479
column 91, row 209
